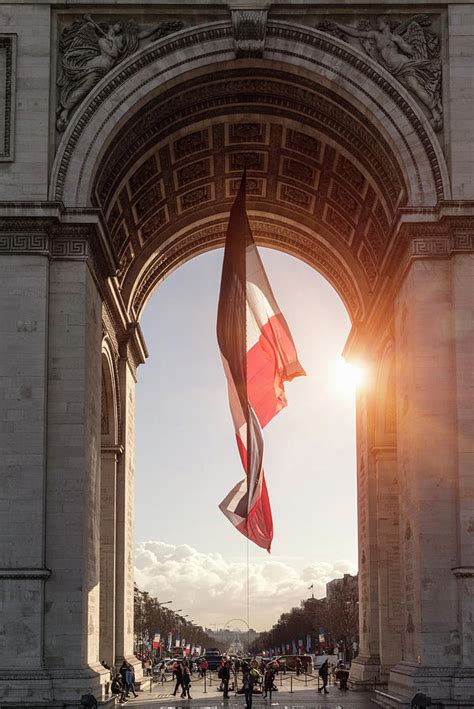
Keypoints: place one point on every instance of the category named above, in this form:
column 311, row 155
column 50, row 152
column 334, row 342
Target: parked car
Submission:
column 213, row 658
column 288, row 663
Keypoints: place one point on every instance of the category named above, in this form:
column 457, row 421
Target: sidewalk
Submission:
column 303, row 695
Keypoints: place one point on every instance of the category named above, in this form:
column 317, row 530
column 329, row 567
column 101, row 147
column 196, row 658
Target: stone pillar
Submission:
column 366, row 666
column 463, row 305
column 23, row 569
column 125, row 510
column 388, row 546
column 71, row 617
column 108, row 531
column 426, row 445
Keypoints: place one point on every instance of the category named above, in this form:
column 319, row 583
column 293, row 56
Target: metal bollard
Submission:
column 205, row 685
column 291, row 684
column 151, row 684
column 281, row 680
column 305, row 679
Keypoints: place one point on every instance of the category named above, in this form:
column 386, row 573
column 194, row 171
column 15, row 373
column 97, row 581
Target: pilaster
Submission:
column 388, row 546
column 24, row 287
column 365, row 669
column 125, row 510
column 426, row 433
column 108, row 550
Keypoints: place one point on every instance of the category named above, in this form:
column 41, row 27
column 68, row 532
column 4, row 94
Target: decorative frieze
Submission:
column 70, row 247
column 16, row 574
column 7, row 96
column 441, row 246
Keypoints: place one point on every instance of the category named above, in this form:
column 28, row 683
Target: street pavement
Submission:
column 303, row 696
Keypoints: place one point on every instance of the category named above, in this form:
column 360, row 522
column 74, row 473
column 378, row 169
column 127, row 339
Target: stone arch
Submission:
column 306, row 84
column 109, row 397
column 130, row 84
column 110, row 451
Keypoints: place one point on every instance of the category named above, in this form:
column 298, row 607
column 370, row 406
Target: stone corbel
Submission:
column 249, row 25
column 132, row 347
column 112, row 451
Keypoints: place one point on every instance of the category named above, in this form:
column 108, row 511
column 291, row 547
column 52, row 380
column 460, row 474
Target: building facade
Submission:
column 124, row 129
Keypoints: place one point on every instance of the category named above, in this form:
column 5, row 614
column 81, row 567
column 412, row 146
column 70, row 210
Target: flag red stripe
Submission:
column 271, row 362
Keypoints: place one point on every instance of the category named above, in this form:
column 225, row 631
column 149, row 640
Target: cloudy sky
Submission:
column 186, row 459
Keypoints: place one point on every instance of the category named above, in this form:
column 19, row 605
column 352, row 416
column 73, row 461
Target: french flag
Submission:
column 258, row 355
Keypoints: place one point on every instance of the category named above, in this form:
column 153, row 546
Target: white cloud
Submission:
column 213, row 590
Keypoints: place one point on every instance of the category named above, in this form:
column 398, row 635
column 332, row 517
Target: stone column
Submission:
column 426, row 445
column 71, row 618
column 366, row 666
column 463, row 305
column 23, row 568
column 108, row 531
column 388, row 546
column 125, row 510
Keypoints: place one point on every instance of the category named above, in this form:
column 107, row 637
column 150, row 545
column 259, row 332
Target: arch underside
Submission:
column 325, row 178
column 322, row 185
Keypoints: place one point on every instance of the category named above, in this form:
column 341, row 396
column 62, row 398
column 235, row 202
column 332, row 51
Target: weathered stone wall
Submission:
column 27, row 175
column 23, row 388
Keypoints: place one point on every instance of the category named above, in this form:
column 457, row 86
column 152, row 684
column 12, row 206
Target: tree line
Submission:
column 335, row 619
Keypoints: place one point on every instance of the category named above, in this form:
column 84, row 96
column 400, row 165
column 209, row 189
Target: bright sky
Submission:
column 187, row 460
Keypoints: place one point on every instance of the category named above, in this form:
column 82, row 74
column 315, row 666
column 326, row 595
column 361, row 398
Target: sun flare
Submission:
column 350, row 375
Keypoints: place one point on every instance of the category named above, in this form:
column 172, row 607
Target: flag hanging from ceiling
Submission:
column 258, row 355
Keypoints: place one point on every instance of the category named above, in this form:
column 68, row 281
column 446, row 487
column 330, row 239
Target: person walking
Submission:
column 204, row 666
column 179, row 678
column 251, row 677
column 324, row 673
column 117, row 688
column 298, row 666
column 225, row 677
column 130, row 680
column 268, row 681
column 186, row 682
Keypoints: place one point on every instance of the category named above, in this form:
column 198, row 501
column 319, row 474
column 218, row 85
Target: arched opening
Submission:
column 337, row 153
column 191, row 461
column 325, row 186
column 110, row 451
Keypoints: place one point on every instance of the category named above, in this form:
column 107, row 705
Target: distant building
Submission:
column 348, row 586
column 229, row 636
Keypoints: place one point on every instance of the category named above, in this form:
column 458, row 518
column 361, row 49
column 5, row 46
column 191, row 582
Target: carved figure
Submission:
column 408, row 50
column 90, row 50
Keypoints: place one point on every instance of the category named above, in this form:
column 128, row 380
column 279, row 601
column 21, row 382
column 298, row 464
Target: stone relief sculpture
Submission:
column 409, row 50
column 90, row 50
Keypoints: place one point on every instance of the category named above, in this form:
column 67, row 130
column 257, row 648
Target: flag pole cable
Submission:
column 248, row 598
